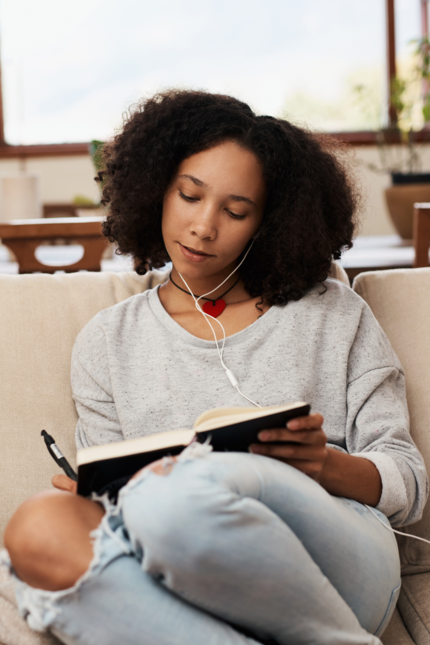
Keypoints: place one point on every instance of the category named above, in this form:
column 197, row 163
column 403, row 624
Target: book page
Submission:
column 135, row 446
column 216, row 413
column 220, row 417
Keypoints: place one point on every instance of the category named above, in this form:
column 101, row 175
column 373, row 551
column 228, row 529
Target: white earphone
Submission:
column 233, row 380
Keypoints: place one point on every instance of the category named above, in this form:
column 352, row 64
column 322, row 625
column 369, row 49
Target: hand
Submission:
column 62, row 482
column 305, row 445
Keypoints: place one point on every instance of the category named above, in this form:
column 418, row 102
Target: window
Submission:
column 71, row 69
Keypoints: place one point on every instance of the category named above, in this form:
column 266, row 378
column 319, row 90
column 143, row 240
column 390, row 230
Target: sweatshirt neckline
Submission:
column 241, row 336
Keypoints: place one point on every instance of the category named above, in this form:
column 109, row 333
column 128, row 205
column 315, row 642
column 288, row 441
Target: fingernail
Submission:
column 264, row 435
column 293, row 425
column 255, row 448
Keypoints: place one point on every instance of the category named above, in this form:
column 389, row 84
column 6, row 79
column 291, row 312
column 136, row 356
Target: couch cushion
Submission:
column 400, row 300
column 414, row 606
column 40, row 317
column 396, row 632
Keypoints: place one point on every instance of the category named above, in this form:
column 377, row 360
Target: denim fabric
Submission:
column 226, row 541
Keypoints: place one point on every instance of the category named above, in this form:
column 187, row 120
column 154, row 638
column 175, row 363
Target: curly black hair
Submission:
column 311, row 202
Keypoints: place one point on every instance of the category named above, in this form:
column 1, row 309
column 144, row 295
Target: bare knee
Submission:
column 48, row 539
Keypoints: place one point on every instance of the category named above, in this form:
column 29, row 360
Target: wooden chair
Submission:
column 23, row 237
column 421, row 234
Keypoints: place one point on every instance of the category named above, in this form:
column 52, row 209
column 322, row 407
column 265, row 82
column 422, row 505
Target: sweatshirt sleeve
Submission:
column 378, row 423
column 98, row 421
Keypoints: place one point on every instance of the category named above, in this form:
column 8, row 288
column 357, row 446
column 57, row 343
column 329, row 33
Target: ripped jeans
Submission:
column 227, row 549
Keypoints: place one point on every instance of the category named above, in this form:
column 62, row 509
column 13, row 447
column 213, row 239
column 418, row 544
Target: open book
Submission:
column 104, row 468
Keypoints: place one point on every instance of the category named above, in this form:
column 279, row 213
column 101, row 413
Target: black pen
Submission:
column 58, row 456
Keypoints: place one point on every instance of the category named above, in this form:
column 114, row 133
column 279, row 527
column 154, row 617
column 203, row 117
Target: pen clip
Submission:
column 48, row 443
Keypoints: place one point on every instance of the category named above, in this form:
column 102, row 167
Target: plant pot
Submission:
column 401, row 198
column 402, row 178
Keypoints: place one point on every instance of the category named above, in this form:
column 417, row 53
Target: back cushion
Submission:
column 40, row 317
column 400, row 300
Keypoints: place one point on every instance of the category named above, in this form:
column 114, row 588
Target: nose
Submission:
column 204, row 224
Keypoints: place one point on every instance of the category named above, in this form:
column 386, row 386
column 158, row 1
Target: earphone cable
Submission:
column 257, row 405
column 206, row 316
column 390, row 528
column 229, row 276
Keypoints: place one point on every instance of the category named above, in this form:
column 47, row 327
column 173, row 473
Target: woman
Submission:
column 276, row 546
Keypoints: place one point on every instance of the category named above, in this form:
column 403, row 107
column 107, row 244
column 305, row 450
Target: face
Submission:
column 211, row 210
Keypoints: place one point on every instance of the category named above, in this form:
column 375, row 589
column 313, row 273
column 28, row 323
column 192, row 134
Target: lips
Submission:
column 195, row 251
column 194, row 255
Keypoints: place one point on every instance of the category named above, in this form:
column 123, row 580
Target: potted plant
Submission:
column 399, row 154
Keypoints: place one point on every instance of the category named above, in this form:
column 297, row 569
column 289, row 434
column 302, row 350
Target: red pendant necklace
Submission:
column 213, row 308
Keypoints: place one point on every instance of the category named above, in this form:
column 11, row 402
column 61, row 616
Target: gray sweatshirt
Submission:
column 135, row 371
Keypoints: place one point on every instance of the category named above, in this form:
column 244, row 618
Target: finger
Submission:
column 62, row 482
column 313, row 436
column 315, row 420
column 298, row 452
column 310, row 467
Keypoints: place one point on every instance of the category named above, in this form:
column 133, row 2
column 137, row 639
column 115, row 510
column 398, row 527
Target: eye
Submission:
column 234, row 215
column 188, row 198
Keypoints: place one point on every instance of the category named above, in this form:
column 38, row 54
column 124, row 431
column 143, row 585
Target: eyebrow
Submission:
column 239, row 198
column 197, row 182
column 200, row 183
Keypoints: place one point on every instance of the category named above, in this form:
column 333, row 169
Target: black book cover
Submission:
column 237, row 437
column 108, row 475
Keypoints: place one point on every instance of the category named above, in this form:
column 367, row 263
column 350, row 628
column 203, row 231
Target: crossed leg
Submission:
column 236, row 539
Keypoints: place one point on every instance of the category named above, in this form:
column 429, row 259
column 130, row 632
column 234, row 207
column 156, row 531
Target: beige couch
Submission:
column 40, row 316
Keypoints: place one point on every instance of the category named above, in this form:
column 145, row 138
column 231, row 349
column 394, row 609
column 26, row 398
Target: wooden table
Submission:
column 374, row 253
column 23, row 237
column 378, row 252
